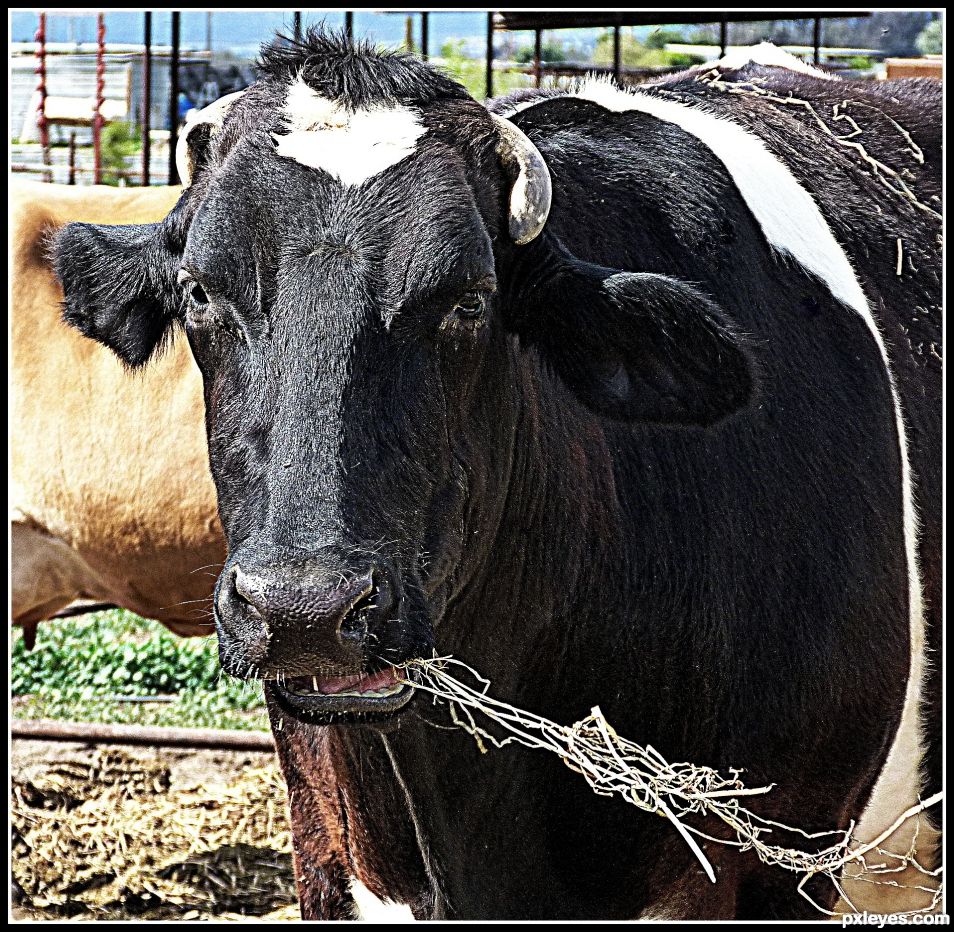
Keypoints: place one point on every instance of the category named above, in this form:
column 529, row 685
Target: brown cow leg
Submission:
column 322, row 870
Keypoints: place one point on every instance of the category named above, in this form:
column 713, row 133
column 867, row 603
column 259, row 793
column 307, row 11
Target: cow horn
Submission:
column 531, row 193
column 214, row 116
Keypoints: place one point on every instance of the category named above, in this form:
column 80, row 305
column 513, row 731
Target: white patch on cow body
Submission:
column 373, row 909
column 789, row 217
column 765, row 53
column 794, row 227
column 352, row 146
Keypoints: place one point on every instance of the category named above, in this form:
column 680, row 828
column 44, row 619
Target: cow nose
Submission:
column 298, row 619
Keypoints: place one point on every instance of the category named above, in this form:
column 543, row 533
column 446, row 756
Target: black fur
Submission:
column 355, row 75
column 120, row 286
column 632, row 346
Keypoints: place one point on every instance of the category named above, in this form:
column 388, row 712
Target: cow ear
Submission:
column 119, row 285
column 637, row 346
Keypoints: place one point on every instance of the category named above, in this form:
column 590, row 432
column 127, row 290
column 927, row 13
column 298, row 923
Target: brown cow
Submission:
column 111, row 495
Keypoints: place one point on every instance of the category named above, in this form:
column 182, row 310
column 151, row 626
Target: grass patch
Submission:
column 80, row 666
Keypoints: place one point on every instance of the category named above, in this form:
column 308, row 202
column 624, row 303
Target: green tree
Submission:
column 930, row 40
column 633, row 54
column 549, row 51
column 118, row 141
column 890, row 32
column 659, row 38
column 471, row 72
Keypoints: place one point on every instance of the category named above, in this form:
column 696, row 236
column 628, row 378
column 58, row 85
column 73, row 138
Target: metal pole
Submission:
column 90, row 733
column 41, row 124
column 349, row 24
column 617, row 52
column 206, row 71
column 424, row 34
column 98, row 104
column 71, row 178
column 537, row 56
column 490, row 54
column 296, row 19
column 816, row 40
column 146, row 95
column 174, row 100
column 723, row 37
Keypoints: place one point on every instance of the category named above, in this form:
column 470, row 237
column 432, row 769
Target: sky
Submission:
column 242, row 31
column 231, row 29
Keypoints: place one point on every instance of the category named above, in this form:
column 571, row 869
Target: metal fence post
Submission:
column 146, row 94
column 617, row 52
column 41, row 122
column 537, row 57
column 174, row 100
column 490, row 53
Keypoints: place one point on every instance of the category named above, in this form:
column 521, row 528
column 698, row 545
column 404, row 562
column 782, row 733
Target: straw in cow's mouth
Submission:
column 642, row 776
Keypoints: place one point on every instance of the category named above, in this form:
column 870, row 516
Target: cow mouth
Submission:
column 310, row 698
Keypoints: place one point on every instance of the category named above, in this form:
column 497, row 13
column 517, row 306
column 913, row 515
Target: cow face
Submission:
column 360, row 265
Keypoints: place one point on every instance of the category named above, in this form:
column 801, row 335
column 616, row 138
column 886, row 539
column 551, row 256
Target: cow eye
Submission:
column 470, row 306
column 197, row 295
column 468, row 310
column 195, row 292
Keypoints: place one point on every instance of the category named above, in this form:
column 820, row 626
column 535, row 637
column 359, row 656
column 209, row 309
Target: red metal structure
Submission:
column 40, row 71
column 100, row 95
column 43, row 125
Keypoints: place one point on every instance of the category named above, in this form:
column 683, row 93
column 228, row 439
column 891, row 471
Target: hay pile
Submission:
column 112, row 836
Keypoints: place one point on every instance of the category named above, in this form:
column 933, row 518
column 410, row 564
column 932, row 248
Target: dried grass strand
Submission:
column 879, row 170
column 612, row 765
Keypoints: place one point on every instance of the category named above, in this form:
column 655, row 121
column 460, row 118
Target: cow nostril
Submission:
column 373, row 605
column 354, row 623
column 248, row 589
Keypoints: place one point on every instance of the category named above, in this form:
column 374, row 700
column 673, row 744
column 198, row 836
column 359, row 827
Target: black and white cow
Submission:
column 628, row 398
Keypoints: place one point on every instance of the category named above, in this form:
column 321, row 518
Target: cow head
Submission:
column 360, row 263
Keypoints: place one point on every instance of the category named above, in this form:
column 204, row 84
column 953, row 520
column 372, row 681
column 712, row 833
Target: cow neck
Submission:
column 547, row 553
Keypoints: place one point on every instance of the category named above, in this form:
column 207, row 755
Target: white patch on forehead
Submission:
column 306, row 110
column 351, row 146
column 765, row 53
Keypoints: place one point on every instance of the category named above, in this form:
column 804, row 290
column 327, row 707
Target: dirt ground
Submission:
column 142, row 833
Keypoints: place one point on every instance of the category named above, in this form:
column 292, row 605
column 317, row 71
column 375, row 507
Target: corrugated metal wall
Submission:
column 75, row 76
